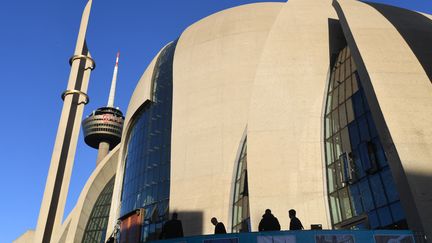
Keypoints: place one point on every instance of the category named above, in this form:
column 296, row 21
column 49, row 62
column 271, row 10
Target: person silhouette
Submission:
column 295, row 223
column 268, row 222
column 219, row 226
column 172, row 228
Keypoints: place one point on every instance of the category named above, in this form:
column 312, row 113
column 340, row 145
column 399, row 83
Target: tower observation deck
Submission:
column 103, row 127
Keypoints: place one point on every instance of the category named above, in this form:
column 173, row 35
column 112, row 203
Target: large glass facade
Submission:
column 241, row 214
column 362, row 193
column 96, row 228
column 147, row 167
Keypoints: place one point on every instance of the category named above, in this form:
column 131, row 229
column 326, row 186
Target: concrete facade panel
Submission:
column 214, row 68
column 284, row 131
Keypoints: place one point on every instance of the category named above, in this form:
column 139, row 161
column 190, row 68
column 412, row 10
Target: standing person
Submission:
column 219, row 226
column 269, row 222
column 172, row 228
column 295, row 223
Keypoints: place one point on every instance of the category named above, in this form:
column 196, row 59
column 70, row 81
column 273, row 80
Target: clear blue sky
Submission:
column 37, row 39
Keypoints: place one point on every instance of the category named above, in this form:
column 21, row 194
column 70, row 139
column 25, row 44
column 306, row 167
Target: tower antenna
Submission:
column 113, row 83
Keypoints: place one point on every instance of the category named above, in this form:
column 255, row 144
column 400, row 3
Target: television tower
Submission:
column 103, row 127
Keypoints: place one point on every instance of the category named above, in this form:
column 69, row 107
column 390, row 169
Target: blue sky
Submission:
column 37, row 39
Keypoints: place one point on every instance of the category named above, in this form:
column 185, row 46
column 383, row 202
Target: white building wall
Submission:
column 285, row 123
column 214, row 68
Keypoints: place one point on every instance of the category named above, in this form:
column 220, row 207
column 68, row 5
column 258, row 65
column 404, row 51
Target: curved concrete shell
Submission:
column 261, row 71
column 214, row 69
column 285, row 116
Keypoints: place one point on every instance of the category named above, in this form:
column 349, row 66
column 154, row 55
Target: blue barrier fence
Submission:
column 309, row 236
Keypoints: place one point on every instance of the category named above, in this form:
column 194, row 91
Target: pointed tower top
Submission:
column 113, row 83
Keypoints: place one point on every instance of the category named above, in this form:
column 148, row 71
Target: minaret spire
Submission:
column 63, row 155
column 113, row 83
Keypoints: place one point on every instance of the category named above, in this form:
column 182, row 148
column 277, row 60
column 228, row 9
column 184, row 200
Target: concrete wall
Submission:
column 214, row 69
column 285, row 125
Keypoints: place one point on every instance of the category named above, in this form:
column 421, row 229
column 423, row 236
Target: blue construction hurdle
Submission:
column 304, row 236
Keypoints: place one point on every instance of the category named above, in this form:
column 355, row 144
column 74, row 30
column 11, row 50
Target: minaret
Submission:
column 103, row 127
column 63, row 155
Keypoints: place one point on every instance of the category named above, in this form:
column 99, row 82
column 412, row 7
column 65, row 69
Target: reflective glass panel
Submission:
column 96, row 228
column 147, row 160
column 359, row 181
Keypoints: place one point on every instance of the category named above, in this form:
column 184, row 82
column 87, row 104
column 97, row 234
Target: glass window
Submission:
column 354, row 134
column 331, row 178
column 340, row 179
column 335, row 208
column 345, row 204
column 96, row 227
column 373, row 220
column 332, row 77
column 335, row 121
column 241, row 214
column 338, row 145
column 334, row 98
column 328, row 131
column 357, row 104
column 346, row 144
column 397, row 211
column 329, row 104
column 358, row 178
column 353, row 66
column 348, row 88
column 355, row 82
column 336, row 80
column 342, row 115
column 379, row 153
column 341, row 92
column 364, row 157
column 146, row 175
column 363, row 128
column 384, row 216
column 366, row 195
column 356, row 200
column 347, row 68
column 378, row 190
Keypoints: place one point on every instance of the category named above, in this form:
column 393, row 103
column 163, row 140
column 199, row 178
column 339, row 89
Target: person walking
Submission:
column 172, row 228
column 268, row 222
column 219, row 226
column 295, row 223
